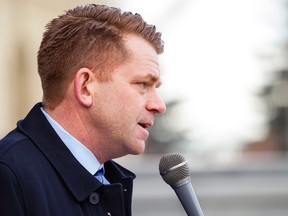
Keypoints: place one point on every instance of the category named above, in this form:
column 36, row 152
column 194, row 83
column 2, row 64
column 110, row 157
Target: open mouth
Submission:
column 143, row 125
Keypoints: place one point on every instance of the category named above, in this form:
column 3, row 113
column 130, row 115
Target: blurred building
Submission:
column 275, row 98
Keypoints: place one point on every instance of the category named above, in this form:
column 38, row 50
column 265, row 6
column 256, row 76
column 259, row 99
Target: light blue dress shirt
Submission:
column 80, row 152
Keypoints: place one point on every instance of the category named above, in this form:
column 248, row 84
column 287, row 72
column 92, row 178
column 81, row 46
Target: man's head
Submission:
column 100, row 73
column 90, row 36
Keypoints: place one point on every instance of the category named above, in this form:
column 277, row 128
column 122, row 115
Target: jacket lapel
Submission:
column 79, row 181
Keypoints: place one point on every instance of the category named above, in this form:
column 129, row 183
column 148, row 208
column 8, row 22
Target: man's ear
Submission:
column 83, row 86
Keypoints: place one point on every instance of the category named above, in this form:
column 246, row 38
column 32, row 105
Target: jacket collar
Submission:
column 79, row 181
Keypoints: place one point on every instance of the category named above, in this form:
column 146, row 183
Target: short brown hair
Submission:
column 87, row 36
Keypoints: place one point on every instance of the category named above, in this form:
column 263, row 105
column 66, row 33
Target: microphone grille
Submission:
column 173, row 167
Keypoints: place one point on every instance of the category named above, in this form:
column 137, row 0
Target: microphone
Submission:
column 174, row 170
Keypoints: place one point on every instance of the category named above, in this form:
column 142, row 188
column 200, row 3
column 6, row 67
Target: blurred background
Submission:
column 225, row 84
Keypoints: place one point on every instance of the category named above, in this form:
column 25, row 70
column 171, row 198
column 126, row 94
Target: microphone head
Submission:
column 173, row 168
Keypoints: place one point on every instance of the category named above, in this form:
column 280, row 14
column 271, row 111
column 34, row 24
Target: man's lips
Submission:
column 144, row 128
column 145, row 125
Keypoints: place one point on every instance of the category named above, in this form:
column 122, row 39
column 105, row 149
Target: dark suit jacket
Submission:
column 40, row 176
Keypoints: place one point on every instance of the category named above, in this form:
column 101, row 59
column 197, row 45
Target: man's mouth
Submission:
column 145, row 125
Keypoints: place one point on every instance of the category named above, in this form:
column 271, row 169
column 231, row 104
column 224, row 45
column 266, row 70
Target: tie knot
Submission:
column 100, row 176
column 100, row 172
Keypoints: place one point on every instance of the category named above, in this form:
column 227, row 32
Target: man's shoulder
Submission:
column 13, row 143
column 19, row 154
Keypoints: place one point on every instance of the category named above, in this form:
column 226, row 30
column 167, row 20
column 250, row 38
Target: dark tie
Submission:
column 100, row 176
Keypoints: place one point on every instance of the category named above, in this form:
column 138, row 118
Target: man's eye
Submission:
column 144, row 85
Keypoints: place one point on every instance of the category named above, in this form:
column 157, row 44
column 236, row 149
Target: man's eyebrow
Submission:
column 154, row 79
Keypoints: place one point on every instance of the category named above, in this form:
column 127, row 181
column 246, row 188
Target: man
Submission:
column 99, row 73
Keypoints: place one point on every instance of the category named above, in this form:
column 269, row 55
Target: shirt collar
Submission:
column 85, row 157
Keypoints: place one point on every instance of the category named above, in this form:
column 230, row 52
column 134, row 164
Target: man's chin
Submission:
column 139, row 148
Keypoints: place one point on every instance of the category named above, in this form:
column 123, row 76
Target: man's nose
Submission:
column 156, row 104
